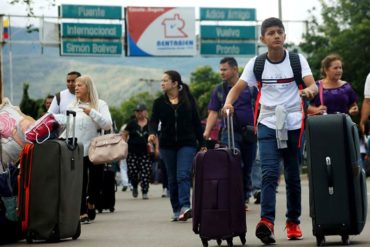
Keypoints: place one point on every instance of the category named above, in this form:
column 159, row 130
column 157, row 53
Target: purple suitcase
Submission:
column 218, row 202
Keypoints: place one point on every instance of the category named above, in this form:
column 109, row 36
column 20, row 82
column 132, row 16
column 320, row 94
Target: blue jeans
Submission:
column 178, row 162
column 256, row 173
column 248, row 155
column 270, row 159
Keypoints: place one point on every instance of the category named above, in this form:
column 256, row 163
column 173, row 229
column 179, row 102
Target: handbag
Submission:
column 249, row 134
column 107, row 148
column 43, row 129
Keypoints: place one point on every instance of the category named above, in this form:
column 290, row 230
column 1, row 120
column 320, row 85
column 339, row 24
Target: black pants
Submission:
column 92, row 183
column 139, row 170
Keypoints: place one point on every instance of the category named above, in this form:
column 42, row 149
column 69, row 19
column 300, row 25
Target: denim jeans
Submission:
column 256, row 173
column 178, row 162
column 270, row 164
column 248, row 155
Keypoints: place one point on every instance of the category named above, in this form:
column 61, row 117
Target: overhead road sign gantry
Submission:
column 227, row 32
column 90, row 48
column 84, row 30
column 90, row 11
column 227, row 14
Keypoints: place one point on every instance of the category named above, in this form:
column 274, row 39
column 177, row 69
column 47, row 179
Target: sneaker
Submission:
column 246, row 206
column 265, row 231
column 84, row 219
column 164, row 193
column 175, row 217
column 124, row 188
column 135, row 193
column 293, row 231
column 185, row 214
column 91, row 213
column 145, row 196
column 257, row 197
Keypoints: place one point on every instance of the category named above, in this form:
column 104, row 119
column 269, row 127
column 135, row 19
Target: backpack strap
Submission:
column 259, row 65
column 57, row 95
column 295, row 63
column 221, row 92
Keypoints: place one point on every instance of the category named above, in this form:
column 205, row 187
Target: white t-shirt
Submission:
column 367, row 87
column 278, row 88
column 66, row 97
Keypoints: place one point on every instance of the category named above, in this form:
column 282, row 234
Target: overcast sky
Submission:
column 292, row 10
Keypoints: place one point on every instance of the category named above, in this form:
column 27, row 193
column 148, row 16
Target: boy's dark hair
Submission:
column 230, row 61
column 78, row 74
column 271, row 22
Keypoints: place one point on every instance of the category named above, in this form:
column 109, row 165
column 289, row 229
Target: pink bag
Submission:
column 107, row 148
column 43, row 129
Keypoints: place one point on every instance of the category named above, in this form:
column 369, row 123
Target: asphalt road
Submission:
column 146, row 223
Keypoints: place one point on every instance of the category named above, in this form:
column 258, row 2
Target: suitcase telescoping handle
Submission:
column 230, row 131
column 329, row 174
column 71, row 142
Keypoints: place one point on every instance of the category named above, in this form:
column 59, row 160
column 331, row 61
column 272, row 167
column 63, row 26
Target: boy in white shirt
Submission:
column 280, row 115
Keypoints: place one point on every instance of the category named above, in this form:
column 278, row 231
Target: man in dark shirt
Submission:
column 243, row 116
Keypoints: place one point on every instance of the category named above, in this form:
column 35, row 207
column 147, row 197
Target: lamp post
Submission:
column 280, row 10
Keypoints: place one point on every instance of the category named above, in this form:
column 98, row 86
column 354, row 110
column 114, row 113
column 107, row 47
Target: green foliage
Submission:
column 344, row 31
column 122, row 114
column 202, row 82
column 30, row 5
column 29, row 106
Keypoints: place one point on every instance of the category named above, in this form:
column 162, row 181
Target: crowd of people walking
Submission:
column 267, row 102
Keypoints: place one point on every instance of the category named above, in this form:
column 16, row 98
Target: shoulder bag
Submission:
column 107, row 148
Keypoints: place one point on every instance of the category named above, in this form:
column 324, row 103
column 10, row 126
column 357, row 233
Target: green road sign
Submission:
column 90, row 11
column 91, row 48
column 227, row 14
column 91, row 30
column 228, row 32
column 227, row 48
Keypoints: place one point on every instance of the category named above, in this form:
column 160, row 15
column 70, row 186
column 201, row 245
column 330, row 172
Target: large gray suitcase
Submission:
column 337, row 182
column 50, row 189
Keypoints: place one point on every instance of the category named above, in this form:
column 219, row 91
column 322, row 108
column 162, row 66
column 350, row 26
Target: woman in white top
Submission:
column 92, row 114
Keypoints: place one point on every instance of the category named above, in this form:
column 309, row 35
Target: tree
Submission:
column 202, row 82
column 344, row 31
column 28, row 106
column 30, row 5
column 122, row 114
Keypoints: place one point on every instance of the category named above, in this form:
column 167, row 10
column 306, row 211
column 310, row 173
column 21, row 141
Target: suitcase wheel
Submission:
column 242, row 239
column 345, row 240
column 29, row 237
column 78, row 232
column 204, row 242
column 111, row 210
column 219, row 241
column 29, row 240
column 320, row 240
column 229, row 242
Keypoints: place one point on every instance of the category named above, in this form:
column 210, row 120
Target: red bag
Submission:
column 43, row 129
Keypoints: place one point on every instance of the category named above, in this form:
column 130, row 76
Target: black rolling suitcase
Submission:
column 107, row 195
column 50, row 188
column 337, row 182
column 218, row 198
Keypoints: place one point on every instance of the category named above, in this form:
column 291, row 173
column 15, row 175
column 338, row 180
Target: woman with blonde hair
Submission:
column 92, row 115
